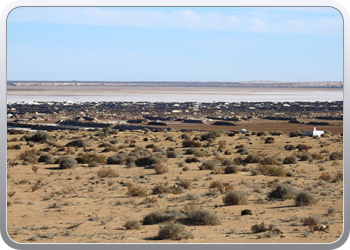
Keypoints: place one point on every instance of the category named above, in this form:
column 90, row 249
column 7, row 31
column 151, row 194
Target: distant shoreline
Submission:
column 201, row 84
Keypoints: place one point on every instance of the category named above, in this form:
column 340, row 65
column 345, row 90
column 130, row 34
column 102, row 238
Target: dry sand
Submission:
column 76, row 205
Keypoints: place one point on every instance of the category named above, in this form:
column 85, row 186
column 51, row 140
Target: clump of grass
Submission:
column 232, row 169
column 204, row 217
column 338, row 177
column 174, row 231
column 235, row 198
column 208, row 165
column 325, row 176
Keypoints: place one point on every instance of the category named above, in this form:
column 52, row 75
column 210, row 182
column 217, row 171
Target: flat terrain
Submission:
column 82, row 205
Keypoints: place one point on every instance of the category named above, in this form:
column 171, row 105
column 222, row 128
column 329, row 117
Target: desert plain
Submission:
column 134, row 186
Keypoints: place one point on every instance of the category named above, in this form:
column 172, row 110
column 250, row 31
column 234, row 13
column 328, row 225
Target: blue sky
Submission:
column 175, row 44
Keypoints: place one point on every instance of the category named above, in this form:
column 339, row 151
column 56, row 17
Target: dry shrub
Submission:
column 253, row 159
column 305, row 198
column 47, row 158
column 107, row 172
column 262, row 133
column 283, row 191
column 92, row 157
column 303, row 147
column 78, row 143
column 93, row 164
column 132, row 225
column 223, row 187
column 192, row 159
column 258, row 228
column 136, row 190
column 325, row 176
column 232, row 169
column 204, row 217
column 35, row 169
column 338, row 177
column 161, row 188
column 191, row 143
column 269, row 140
column 208, row 165
column 296, row 133
column 269, row 170
column 305, row 157
column 160, row 168
column 116, row 159
column 186, row 184
column 174, row 231
column 235, row 198
column 271, row 160
column 289, row 147
column 67, row 162
column 292, row 159
column 317, row 156
column 29, row 153
column 158, row 217
column 336, row 156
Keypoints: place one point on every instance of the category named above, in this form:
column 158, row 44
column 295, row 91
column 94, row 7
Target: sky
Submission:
column 175, row 44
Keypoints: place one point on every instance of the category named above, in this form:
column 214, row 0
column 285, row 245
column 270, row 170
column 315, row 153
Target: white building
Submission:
column 314, row 132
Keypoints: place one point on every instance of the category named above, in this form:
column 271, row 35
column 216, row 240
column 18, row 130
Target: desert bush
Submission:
column 158, row 217
column 208, row 165
column 269, row 170
column 336, row 156
column 67, row 162
column 269, row 140
column 136, row 190
column 172, row 154
column 78, row 143
column 317, row 156
column 325, row 176
column 292, row 159
column 186, row 184
column 27, row 153
column 185, row 136
column 190, row 151
column 47, row 158
column 231, row 169
column 296, row 133
column 91, row 157
column 338, row 177
column 132, row 225
column 192, row 197
column 223, row 187
column 276, row 133
column 119, row 159
column 305, row 157
column 258, row 228
column 191, row 143
column 160, row 168
column 243, row 151
column 38, row 137
column 174, row 231
column 262, row 133
column 211, row 135
column 161, row 188
column 107, row 172
column 305, row 198
column 270, row 160
column 93, row 164
column 149, row 160
column 204, row 217
column 303, row 147
column 283, row 191
column 227, row 162
column 201, row 153
column 289, row 147
column 192, row 159
column 235, row 198
column 253, row 159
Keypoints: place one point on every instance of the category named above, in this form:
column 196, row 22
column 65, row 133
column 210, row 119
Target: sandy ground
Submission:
column 76, row 205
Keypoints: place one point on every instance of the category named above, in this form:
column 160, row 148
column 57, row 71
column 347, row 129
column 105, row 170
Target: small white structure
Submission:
column 243, row 130
column 314, row 132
